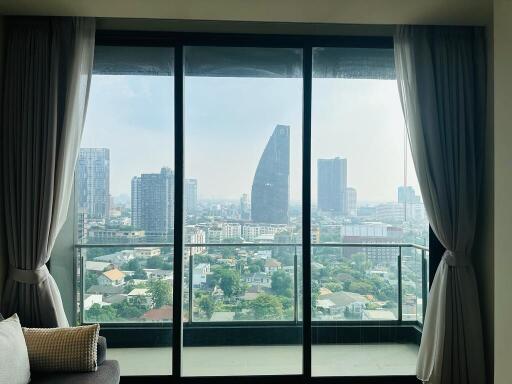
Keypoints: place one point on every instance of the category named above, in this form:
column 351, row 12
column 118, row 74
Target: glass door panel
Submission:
column 243, row 166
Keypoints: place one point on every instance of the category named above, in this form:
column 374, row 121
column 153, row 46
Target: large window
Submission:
column 243, row 145
column 204, row 162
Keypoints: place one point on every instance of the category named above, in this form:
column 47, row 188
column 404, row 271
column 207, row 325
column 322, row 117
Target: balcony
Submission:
column 368, row 306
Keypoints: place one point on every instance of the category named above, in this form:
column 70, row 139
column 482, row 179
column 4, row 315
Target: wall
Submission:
column 502, row 190
column 3, row 255
column 484, row 241
column 317, row 11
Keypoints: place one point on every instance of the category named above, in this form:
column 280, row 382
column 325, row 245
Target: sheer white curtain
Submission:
column 47, row 75
column 441, row 74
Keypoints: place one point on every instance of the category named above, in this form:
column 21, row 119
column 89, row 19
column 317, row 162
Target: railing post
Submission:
column 400, row 283
column 424, row 284
column 190, row 285
column 295, row 288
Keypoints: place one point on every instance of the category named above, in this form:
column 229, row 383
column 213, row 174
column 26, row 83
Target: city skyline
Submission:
column 139, row 110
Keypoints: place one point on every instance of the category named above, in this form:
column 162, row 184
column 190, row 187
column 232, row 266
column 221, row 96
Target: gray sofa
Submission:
column 107, row 373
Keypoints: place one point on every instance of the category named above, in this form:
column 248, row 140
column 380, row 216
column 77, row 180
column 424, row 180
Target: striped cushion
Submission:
column 62, row 349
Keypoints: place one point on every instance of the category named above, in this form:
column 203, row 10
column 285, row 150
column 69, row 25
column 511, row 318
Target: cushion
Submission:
column 62, row 349
column 102, row 350
column 14, row 362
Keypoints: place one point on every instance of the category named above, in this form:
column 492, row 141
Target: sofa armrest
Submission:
column 101, row 350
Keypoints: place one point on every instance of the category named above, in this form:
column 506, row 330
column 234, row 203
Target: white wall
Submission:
column 3, row 255
column 503, row 190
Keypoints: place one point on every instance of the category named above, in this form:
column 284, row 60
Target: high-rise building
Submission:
column 351, row 201
column 245, row 212
column 153, row 202
column 94, row 182
column 407, row 194
column 332, row 185
column 190, row 191
column 270, row 187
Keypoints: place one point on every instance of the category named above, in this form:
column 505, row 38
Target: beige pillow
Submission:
column 62, row 349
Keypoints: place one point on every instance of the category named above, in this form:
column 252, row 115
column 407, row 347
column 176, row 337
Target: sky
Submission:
column 228, row 122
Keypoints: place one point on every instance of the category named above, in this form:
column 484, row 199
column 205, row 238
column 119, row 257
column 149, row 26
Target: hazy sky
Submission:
column 229, row 120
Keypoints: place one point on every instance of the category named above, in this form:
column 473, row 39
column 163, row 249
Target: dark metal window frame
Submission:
column 178, row 41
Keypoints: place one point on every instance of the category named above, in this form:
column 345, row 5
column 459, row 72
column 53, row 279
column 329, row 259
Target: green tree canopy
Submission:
column 160, row 292
column 282, row 284
column 229, row 281
column 207, row 305
column 97, row 313
column 267, row 307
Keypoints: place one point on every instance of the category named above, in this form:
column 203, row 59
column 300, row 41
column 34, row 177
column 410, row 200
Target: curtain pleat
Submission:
column 441, row 73
column 47, row 75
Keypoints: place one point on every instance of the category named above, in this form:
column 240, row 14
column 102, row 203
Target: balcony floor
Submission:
column 328, row 360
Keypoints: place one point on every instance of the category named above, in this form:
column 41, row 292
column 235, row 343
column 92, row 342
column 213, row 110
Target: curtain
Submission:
column 47, row 75
column 441, row 73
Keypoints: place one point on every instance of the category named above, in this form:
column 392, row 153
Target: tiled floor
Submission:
column 327, row 360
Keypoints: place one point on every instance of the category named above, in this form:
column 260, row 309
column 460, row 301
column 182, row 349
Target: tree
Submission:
column 160, row 292
column 126, row 310
column 155, row 262
column 207, row 305
column 134, row 265
column 91, row 279
column 97, row 313
column 333, row 286
column 282, row 284
column 229, row 281
column 267, row 307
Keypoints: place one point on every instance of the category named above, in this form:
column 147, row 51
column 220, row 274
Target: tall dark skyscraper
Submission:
column 94, row 182
column 332, row 185
column 153, row 202
column 270, row 187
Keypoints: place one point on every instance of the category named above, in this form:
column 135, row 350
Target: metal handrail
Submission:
column 335, row 245
column 423, row 250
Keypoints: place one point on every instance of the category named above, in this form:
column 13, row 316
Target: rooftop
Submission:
column 114, row 274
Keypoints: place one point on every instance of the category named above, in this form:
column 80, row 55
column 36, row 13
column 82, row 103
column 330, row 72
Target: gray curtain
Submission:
column 47, row 75
column 441, row 75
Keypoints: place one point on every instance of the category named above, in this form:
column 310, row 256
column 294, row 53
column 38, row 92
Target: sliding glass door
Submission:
column 247, row 206
column 242, row 200
column 368, row 221
column 125, row 202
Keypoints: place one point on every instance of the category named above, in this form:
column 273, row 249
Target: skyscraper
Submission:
column 407, row 194
column 190, row 191
column 153, row 202
column 332, row 185
column 351, row 201
column 94, row 182
column 244, row 207
column 270, row 187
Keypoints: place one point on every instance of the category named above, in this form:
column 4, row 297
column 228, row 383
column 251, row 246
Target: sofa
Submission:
column 107, row 372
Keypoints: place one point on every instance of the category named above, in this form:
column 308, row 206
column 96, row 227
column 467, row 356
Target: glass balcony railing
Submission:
column 242, row 283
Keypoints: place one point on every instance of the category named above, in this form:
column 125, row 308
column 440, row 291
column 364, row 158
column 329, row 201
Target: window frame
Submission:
column 136, row 334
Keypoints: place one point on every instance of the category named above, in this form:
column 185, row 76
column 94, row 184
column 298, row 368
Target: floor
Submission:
column 327, row 360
